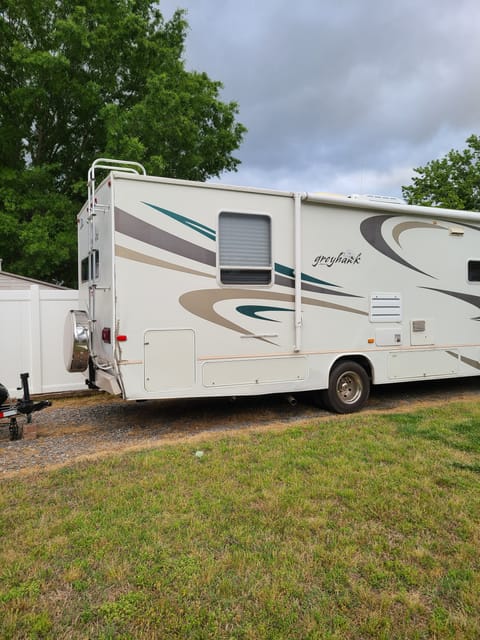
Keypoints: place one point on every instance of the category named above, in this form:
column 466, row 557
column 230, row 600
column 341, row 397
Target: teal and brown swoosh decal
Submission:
column 202, row 302
column 150, row 234
column 254, row 311
column 465, row 297
column 136, row 256
column 371, row 230
column 188, row 222
column 285, row 276
column 288, row 272
column 416, row 224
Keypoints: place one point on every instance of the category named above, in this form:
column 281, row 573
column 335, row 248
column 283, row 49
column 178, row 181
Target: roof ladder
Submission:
column 113, row 165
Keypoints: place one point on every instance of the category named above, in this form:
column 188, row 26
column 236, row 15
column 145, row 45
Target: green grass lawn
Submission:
column 353, row 527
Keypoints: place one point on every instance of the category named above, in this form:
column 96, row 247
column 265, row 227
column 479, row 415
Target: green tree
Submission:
column 80, row 80
column 452, row 182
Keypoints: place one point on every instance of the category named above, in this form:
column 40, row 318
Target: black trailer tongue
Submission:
column 24, row 406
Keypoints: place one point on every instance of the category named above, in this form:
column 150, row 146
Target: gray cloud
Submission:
column 348, row 95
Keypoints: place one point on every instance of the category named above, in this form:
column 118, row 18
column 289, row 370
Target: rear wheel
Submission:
column 348, row 388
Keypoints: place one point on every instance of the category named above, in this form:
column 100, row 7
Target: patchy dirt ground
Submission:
column 92, row 425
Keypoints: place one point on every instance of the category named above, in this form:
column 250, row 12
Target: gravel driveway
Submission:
column 93, row 425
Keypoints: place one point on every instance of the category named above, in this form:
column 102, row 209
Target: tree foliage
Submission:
column 83, row 80
column 452, row 182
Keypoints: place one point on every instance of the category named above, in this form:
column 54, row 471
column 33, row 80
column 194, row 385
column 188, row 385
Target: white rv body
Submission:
column 193, row 289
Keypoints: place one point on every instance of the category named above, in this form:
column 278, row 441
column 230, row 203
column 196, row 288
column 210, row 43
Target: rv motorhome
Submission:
column 190, row 289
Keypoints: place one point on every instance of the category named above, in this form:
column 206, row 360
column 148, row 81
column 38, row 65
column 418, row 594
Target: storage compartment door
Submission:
column 169, row 359
column 404, row 365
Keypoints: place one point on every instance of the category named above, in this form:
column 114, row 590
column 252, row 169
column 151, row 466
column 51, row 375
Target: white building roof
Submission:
column 12, row 281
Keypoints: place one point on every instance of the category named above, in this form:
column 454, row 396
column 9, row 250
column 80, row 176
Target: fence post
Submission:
column 36, row 377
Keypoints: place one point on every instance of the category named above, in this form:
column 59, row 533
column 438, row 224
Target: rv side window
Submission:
column 474, row 270
column 91, row 260
column 245, row 248
column 95, row 263
column 84, row 269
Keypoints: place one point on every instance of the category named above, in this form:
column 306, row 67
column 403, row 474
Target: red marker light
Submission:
column 121, row 338
column 106, row 335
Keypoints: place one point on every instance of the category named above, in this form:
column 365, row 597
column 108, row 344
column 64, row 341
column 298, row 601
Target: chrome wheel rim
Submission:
column 349, row 387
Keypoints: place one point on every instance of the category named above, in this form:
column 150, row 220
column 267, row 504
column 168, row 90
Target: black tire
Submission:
column 348, row 388
column 16, row 430
column 3, row 394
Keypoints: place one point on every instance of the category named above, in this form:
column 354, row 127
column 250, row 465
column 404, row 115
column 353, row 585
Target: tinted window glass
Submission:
column 474, row 270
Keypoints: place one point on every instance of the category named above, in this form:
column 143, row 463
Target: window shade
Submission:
column 244, row 240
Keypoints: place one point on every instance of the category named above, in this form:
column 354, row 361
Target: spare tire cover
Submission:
column 75, row 341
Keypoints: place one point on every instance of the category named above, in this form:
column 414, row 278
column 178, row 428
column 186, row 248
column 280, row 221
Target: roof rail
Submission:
column 119, row 165
column 377, row 198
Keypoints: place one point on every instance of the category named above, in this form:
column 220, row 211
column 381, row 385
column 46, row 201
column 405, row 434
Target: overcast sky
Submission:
column 345, row 96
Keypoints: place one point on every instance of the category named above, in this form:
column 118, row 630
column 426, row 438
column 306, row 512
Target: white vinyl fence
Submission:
column 31, row 339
